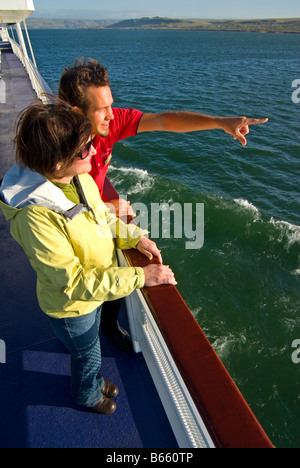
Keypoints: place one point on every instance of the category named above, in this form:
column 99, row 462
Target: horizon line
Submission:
column 166, row 17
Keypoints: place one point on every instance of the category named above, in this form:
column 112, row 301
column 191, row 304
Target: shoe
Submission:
column 121, row 338
column 109, row 389
column 105, row 406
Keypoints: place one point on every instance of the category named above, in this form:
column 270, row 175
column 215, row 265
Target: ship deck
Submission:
column 36, row 407
column 16, row 94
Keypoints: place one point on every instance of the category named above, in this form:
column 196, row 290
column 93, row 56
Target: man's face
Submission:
column 100, row 111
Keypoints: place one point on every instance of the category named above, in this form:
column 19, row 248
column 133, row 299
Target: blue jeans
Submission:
column 80, row 335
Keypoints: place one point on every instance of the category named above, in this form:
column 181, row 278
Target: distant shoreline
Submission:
column 282, row 26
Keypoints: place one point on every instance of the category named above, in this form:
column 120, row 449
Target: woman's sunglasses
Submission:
column 85, row 153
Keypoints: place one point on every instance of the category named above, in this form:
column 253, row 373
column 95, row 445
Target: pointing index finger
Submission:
column 255, row 121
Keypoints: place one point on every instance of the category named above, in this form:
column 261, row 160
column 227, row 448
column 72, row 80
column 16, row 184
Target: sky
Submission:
column 124, row 9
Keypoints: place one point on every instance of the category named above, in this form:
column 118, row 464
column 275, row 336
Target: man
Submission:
column 86, row 87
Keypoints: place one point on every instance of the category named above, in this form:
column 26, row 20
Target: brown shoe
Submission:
column 109, row 389
column 105, row 406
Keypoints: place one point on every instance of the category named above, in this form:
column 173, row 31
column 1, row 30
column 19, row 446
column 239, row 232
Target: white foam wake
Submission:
column 140, row 179
column 141, row 173
column 290, row 231
column 246, row 204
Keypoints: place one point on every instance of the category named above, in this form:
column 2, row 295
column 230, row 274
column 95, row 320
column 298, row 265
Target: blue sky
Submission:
column 101, row 9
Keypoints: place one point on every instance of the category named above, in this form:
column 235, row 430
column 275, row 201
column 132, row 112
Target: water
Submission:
column 243, row 285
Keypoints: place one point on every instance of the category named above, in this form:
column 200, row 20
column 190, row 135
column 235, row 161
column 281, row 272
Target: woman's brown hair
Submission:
column 48, row 134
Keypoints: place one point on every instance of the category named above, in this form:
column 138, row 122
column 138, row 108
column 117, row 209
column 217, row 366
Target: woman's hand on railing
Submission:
column 121, row 208
column 155, row 275
column 148, row 248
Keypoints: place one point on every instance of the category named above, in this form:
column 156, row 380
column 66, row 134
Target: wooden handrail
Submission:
column 228, row 418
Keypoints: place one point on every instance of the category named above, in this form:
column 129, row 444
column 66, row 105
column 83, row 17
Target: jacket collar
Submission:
column 22, row 187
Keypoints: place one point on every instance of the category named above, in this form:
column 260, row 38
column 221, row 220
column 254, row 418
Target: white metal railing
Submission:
column 34, row 76
column 38, row 84
column 4, row 35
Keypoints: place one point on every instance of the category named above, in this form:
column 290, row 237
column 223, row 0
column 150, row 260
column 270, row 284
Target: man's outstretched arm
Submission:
column 185, row 122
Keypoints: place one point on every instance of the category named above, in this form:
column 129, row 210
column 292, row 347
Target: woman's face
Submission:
column 80, row 165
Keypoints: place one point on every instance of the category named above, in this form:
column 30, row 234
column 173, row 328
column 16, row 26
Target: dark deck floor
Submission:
column 16, row 94
column 36, row 408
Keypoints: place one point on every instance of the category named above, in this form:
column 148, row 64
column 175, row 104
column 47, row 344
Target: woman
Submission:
column 70, row 238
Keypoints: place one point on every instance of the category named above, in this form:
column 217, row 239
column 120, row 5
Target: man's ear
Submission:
column 77, row 109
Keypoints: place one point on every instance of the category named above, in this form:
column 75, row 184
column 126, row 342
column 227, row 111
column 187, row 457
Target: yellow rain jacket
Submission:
column 71, row 247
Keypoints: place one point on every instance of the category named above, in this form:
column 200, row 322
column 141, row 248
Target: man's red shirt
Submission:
column 124, row 125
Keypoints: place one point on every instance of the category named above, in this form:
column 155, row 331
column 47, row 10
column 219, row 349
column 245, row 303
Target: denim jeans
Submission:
column 80, row 335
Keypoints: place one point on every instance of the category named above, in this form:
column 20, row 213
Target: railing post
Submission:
column 21, row 40
column 2, row 84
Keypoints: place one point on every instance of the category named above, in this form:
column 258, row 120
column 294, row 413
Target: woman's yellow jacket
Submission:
column 71, row 247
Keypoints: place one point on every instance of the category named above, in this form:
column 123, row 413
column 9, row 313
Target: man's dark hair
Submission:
column 77, row 79
column 48, row 134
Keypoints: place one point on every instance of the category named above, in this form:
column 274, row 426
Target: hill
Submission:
column 263, row 26
column 49, row 23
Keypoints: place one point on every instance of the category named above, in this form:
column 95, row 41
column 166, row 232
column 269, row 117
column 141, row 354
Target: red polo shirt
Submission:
column 124, row 125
